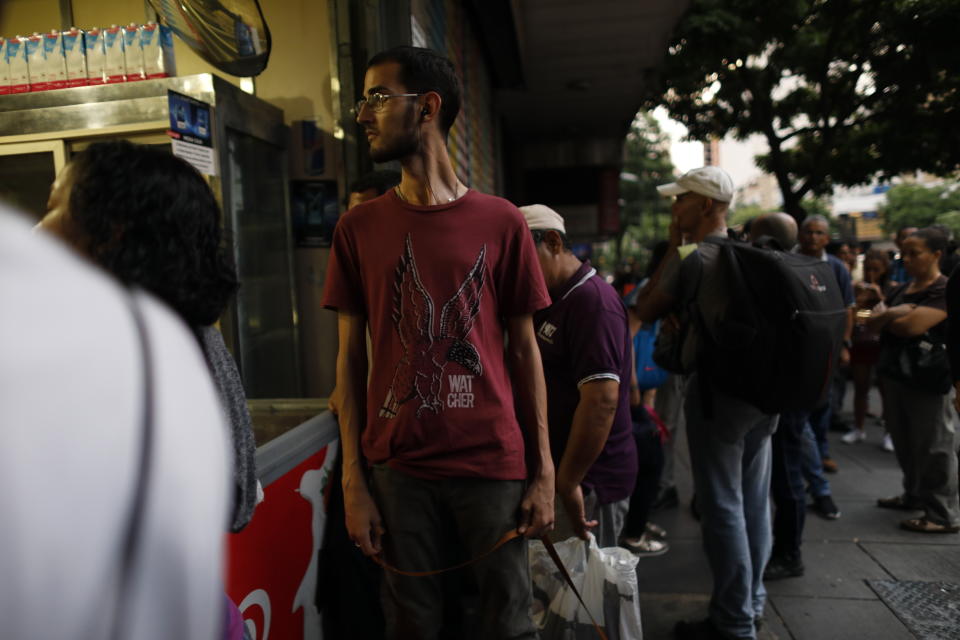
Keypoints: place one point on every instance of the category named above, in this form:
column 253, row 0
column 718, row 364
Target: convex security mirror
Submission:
column 232, row 35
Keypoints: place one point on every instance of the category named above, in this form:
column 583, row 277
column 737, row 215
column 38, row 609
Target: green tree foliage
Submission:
column 842, row 90
column 914, row 205
column 645, row 214
column 951, row 220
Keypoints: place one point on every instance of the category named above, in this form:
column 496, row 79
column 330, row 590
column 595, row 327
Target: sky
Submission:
column 685, row 155
column 736, row 157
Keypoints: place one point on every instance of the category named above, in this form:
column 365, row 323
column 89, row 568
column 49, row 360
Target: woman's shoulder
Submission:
column 935, row 292
column 937, row 288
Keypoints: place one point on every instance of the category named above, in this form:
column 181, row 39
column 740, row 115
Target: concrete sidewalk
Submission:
column 832, row 600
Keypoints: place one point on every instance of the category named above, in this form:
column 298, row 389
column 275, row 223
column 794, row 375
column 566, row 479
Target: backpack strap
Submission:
column 694, row 316
column 134, row 526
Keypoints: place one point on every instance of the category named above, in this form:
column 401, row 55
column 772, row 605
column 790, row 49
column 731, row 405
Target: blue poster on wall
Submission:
column 190, row 129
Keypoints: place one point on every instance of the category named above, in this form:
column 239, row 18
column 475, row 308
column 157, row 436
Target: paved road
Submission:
column 832, row 600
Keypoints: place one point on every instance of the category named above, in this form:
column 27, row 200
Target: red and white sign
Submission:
column 272, row 563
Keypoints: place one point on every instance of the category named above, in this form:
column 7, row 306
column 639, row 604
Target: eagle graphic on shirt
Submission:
column 425, row 352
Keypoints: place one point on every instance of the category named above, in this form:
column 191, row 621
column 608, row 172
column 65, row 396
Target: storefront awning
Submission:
column 585, row 64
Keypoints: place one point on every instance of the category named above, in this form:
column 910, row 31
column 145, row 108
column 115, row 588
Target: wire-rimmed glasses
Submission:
column 376, row 101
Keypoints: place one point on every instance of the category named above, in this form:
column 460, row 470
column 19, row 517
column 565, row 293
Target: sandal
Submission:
column 898, row 502
column 923, row 525
column 656, row 531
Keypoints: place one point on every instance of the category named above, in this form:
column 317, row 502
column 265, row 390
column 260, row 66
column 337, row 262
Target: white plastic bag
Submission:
column 607, row 580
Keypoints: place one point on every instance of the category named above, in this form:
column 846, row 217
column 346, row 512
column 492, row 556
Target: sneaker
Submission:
column 854, row 436
column 830, row 465
column 667, row 499
column 645, row 546
column 656, row 531
column 826, row 507
column 783, row 566
column 887, row 443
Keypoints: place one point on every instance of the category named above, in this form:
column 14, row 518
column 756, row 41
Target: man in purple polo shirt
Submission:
column 586, row 350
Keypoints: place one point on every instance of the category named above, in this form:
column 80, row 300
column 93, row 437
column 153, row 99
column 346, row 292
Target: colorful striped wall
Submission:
column 443, row 25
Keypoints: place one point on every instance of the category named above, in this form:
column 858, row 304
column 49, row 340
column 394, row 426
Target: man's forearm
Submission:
column 352, row 393
column 654, row 279
column 531, row 392
column 526, row 371
column 589, row 431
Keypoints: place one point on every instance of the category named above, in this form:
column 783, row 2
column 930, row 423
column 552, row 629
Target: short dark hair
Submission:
column 152, row 221
column 540, row 234
column 944, row 229
column 381, row 181
column 934, row 239
column 423, row 70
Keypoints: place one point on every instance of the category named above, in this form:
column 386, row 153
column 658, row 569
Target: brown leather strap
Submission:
column 504, row 539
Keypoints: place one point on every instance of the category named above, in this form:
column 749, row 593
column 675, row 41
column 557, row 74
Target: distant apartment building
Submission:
column 761, row 190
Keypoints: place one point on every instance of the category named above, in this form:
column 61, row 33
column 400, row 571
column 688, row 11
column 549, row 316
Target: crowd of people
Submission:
column 505, row 387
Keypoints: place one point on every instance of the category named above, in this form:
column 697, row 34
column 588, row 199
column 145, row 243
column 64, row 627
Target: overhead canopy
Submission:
column 585, row 64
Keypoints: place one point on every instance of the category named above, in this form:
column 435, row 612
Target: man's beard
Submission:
column 404, row 144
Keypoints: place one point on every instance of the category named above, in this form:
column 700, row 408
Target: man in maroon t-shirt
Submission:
column 440, row 273
column 587, row 356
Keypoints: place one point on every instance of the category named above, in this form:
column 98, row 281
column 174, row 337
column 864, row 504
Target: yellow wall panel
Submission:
column 23, row 17
column 103, row 13
column 298, row 77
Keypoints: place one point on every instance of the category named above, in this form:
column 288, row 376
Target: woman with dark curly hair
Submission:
column 152, row 221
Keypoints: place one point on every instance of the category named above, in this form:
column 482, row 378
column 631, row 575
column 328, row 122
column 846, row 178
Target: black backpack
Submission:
column 781, row 334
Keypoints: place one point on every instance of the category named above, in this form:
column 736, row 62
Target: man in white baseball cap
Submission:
column 711, row 182
column 702, row 200
column 729, row 442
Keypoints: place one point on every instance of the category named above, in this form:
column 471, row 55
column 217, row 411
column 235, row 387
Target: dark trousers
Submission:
column 820, row 423
column 921, row 424
column 428, row 523
column 787, row 484
column 649, row 468
column 348, row 583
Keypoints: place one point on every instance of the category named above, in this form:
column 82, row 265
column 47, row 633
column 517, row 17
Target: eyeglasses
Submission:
column 376, row 101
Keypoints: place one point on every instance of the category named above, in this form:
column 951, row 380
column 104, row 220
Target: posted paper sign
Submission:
column 191, row 132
